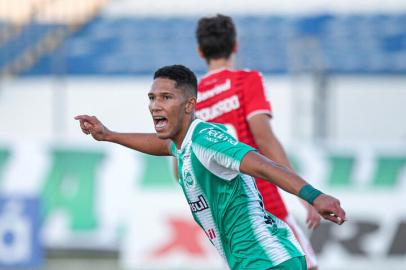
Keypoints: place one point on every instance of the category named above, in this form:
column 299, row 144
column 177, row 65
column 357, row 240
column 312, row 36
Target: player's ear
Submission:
column 200, row 53
column 235, row 47
column 190, row 105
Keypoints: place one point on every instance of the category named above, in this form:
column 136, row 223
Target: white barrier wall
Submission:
column 359, row 108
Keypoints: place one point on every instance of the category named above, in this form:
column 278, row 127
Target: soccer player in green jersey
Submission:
column 248, row 115
column 216, row 175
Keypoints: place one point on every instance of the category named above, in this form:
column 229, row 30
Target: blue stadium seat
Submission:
column 340, row 44
column 27, row 38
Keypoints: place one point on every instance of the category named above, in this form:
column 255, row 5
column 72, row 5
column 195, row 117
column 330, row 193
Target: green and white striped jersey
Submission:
column 226, row 203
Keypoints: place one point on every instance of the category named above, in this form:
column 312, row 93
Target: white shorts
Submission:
column 303, row 241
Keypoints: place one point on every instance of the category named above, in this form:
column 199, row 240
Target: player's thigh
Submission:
column 297, row 263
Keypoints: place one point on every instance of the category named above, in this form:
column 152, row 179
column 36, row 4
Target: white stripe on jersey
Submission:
column 222, row 166
column 304, row 242
column 205, row 217
column 271, row 245
column 251, row 114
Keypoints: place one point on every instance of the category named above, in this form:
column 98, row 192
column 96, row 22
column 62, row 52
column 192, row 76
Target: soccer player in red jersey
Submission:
column 237, row 99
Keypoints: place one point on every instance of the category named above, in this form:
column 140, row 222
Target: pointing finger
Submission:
column 85, row 117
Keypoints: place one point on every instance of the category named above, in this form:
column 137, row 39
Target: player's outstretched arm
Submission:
column 270, row 146
column 147, row 143
column 257, row 165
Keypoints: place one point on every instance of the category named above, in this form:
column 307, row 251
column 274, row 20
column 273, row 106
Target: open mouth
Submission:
column 160, row 122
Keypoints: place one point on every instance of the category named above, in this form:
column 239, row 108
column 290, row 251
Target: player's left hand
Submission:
column 329, row 208
column 313, row 218
column 91, row 125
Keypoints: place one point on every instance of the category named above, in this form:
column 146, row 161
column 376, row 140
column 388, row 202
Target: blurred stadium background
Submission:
column 336, row 77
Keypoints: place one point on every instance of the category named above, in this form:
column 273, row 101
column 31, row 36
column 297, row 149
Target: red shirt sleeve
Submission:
column 255, row 101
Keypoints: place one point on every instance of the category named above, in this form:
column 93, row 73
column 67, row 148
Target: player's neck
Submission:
column 215, row 64
column 178, row 140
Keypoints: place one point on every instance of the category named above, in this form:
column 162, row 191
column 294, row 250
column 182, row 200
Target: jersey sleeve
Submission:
column 255, row 101
column 220, row 153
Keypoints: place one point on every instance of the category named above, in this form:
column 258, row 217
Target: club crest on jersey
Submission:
column 188, row 179
column 198, row 205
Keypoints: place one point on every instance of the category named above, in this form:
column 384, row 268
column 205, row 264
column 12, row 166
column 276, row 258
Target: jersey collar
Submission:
column 189, row 134
column 211, row 72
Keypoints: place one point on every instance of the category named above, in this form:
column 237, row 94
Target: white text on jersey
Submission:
column 201, row 96
column 219, row 108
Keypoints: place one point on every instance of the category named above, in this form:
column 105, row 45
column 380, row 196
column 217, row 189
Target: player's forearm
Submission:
column 270, row 146
column 259, row 166
column 279, row 155
column 147, row 143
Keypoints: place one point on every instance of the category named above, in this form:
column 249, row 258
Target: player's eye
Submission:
column 167, row 97
column 151, row 98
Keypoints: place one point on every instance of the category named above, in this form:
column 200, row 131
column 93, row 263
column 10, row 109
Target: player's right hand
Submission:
column 329, row 208
column 313, row 217
column 91, row 125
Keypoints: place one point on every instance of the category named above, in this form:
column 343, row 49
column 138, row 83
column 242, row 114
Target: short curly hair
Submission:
column 216, row 36
column 185, row 78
